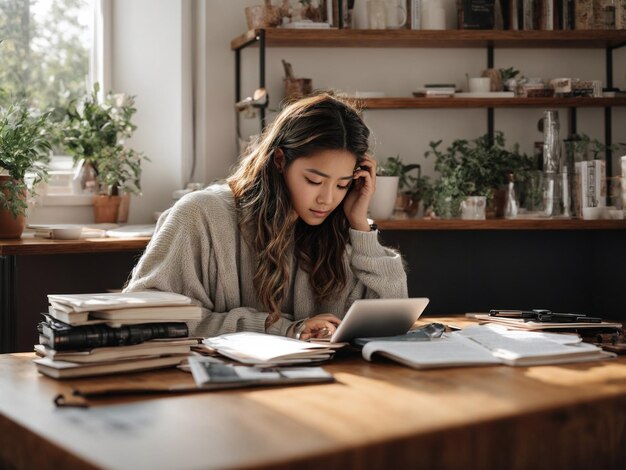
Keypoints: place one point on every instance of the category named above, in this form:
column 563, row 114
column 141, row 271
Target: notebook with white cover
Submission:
column 117, row 300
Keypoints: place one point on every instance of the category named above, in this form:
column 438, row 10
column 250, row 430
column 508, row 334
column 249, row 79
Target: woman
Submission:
column 285, row 246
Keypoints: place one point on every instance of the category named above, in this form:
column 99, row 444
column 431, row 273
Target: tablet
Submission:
column 379, row 317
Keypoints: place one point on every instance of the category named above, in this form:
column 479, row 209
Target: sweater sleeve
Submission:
column 180, row 259
column 379, row 271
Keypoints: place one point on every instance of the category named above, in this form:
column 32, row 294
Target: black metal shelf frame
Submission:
column 608, row 137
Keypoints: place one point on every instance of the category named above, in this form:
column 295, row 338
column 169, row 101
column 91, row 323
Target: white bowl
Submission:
column 593, row 213
column 66, row 233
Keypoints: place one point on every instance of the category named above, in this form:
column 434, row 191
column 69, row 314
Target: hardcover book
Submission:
column 478, row 14
column 61, row 337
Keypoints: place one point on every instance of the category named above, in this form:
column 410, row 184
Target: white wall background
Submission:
column 152, row 50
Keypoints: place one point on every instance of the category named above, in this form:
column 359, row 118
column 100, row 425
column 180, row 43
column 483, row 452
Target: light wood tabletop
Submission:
column 376, row 415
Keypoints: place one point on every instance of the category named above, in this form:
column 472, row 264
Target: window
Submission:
column 46, row 50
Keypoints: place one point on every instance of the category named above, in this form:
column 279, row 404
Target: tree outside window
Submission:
column 45, row 52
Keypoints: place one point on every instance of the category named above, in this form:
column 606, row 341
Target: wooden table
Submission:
column 377, row 415
column 31, row 268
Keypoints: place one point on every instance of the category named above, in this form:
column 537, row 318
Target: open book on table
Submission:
column 488, row 345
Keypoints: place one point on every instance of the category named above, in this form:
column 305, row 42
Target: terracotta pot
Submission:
column 106, row 209
column 11, row 227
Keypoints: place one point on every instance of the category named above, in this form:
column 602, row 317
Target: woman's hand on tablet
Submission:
column 319, row 326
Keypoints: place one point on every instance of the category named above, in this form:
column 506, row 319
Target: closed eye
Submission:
column 344, row 188
column 314, row 183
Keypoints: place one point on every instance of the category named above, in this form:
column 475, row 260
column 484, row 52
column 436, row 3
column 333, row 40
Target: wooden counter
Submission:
column 45, row 246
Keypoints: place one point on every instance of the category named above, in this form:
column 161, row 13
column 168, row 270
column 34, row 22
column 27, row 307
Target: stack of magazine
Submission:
column 96, row 334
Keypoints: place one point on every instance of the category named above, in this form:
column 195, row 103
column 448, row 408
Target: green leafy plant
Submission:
column 473, row 168
column 508, row 73
column 393, row 166
column 24, row 148
column 95, row 132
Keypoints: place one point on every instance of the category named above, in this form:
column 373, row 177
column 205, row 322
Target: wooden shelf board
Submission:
column 276, row 37
column 44, row 246
column 453, row 102
column 501, row 224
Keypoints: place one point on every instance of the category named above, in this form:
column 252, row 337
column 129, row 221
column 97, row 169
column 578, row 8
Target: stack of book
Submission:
column 436, row 90
column 96, row 334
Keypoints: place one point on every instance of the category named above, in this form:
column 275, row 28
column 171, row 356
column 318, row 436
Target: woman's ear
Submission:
column 279, row 159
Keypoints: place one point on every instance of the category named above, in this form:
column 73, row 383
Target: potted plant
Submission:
column 475, row 168
column 24, row 148
column 387, row 180
column 94, row 135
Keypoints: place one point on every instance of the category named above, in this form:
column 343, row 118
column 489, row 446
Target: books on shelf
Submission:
column 268, row 350
column 488, row 345
column 211, row 373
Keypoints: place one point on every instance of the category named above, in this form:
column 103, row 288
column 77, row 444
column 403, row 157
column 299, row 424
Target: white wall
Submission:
column 151, row 60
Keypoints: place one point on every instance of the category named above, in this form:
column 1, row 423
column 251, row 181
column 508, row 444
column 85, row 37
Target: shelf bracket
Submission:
column 7, row 304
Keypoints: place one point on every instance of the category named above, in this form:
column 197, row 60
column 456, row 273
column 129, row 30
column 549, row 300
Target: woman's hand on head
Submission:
column 357, row 201
column 319, row 326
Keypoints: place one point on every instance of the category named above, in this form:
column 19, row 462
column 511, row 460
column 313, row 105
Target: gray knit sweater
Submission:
column 198, row 251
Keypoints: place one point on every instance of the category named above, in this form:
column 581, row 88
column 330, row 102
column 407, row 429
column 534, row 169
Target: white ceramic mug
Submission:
column 479, row 84
column 395, row 14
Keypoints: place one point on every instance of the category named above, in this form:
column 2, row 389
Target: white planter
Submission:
column 384, row 199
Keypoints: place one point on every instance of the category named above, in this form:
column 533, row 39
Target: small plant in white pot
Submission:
column 24, row 147
column 387, row 182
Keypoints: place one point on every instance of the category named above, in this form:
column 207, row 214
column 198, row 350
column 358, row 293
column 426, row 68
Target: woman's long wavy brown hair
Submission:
column 267, row 219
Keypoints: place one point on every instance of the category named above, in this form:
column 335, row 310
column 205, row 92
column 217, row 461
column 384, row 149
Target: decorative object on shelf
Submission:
column 263, row 16
column 395, row 14
column 95, row 132
column 24, row 147
column 388, row 175
column 473, row 208
column 511, row 207
column 508, row 75
column 479, row 84
column 433, row 15
column 553, row 190
column 412, row 189
column 495, row 79
column 295, row 88
column 475, row 168
column 416, row 14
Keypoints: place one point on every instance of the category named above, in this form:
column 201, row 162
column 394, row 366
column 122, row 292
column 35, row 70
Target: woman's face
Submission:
column 317, row 184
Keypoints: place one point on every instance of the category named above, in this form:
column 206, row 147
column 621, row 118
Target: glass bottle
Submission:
column 551, row 164
column 512, row 206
